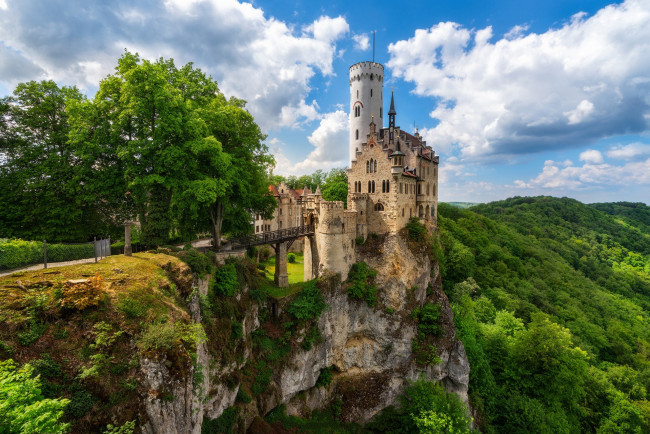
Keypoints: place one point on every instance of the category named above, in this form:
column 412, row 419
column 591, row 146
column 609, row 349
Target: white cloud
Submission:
column 633, row 151
column 260, row 59
column 361, row 42
column 555, row 179
column 569, row 86
column 330, row 142
column 580, row 113
column 591, row 156
column 516, row 32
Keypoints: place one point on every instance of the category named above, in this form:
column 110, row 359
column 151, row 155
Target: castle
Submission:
column 393, row 176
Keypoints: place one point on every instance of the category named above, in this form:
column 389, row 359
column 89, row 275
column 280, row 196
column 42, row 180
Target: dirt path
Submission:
column 49, row 265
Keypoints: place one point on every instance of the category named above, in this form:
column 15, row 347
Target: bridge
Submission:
column 273, row 237
column 280, row 240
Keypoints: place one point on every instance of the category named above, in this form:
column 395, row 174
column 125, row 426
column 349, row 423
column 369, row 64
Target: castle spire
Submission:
column 392, row 111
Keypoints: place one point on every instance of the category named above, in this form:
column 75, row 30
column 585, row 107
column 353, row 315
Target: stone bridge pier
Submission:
column 281, row 277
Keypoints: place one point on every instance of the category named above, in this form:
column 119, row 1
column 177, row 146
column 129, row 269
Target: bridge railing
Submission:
column 272, row 236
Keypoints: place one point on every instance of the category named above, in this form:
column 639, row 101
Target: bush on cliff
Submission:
column 361, row 283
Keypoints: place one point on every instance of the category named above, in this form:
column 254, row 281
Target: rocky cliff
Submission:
column 255, row 355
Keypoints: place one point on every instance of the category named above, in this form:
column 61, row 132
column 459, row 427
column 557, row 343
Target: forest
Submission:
column 551, row 299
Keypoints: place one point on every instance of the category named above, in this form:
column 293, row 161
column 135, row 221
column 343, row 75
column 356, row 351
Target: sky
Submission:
column 518, row 97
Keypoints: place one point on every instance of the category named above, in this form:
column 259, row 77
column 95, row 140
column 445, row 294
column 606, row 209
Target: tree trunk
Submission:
column 216, row 218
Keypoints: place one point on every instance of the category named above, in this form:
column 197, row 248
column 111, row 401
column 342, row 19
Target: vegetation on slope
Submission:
column 551, row 299
column 81, row 329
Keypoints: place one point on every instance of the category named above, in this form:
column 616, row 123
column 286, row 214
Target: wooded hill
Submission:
column 552, row 301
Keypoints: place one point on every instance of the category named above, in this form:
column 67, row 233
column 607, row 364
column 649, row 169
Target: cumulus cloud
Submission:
column 633, row 151
column 591, row 156
column 262, row 60
column 361, row 42
column 329, row 141
column 567, row 87
column 554, row 178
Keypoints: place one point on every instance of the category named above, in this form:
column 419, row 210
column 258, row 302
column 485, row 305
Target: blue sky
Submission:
column 517, row 97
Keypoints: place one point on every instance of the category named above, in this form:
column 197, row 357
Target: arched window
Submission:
column 357, row 134
column 402, row 212
column 367, row 166
column 373, row 185
column 427, row 189
column 379, row 207
column 410, row 212
column 383, row 186
column 388, row 186
column 421, row 213
column 369, row 187
column 371, row 92
column 371, row 165
column 375, row 165
column 357, row 93
column 381, row 112
column 419, row 188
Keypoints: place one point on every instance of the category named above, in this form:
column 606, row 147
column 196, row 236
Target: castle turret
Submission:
column 366, row 100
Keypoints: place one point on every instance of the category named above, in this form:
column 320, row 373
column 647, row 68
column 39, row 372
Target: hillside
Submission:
column 552, row 302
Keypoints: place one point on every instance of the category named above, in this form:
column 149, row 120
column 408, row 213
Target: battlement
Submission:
column 367, row 65
column 330, row 205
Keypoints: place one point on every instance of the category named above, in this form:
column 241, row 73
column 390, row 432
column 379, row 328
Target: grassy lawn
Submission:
column 296, row 274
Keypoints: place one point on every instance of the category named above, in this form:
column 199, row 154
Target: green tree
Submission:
column 335, row 186
column 42, row 191
column 22, row 406
column 191, row 159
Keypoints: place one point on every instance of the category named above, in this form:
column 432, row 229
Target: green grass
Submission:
column 296, row 271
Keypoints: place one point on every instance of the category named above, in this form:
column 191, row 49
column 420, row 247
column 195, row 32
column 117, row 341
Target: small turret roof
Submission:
column 392, row 105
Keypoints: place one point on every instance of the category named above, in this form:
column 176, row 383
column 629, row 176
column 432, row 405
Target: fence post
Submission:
column 95, row 247
column 108, row 246
column 44, row 254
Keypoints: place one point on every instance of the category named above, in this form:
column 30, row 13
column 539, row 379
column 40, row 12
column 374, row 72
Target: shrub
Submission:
column 158, row 337
column 198, row 262
column 263, row 378
column 127, row 428
column 313, row 336
column 325, row 377
column 309, row 304
column 80, row 404
column 291, row 258
column 223, row 424
column 34, row 331
column 358, row 241
column 243, row 397
column 18, row 253
column 361, row 283
column 416, row 230
column 428, row 318
column 225, row 280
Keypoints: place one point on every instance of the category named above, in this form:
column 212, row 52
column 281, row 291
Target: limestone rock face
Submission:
column 368, row 349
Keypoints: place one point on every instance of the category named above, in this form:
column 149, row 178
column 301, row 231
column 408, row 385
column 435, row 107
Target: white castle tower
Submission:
column 366, row 101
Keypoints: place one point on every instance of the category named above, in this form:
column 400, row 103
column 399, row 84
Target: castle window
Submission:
column 388, row 186
column 427, row 188
column 280, row 211
column 357, row 111
column 410, row 212
column 357, row 93
column 434, row 189
column 357, row 134
column 383, row 186
column 381, row 112
column 375, row 165
column 369, row 187
column 379, row 207
column 402, row 212
column 343, row 227
column 419, row 188
column 371, row 165
column 367, row 166
column 373, row 184
column 289, row 211
column 371, row 91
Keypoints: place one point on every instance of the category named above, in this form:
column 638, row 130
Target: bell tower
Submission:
column 366, row 101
